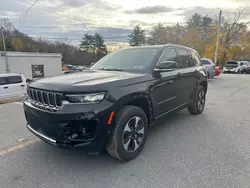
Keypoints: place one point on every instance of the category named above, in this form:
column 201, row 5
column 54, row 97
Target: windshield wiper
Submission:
column 111, row 69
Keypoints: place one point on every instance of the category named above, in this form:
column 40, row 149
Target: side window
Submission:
column 196, row 58
column 14, row 79
column 169, row 55
column 191, row 61
column 3, row 81
column 185, row 58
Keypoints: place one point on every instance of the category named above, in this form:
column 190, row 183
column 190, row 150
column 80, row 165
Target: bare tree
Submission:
column 232, row 29
column 7, row 25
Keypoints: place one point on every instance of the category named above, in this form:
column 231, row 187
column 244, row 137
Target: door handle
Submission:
column 6, row 87
column 179, row 74
column 22, row 85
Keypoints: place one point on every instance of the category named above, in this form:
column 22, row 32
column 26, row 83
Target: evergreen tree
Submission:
column 137, row 37
column 100, row 47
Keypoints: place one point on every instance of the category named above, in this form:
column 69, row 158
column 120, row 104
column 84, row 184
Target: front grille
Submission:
column 49, row 129
column 45, row 100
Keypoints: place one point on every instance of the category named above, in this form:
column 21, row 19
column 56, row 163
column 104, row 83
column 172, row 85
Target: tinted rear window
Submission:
column 185, row 58
column 14, row 79
column 3, row 80
column 196, row 58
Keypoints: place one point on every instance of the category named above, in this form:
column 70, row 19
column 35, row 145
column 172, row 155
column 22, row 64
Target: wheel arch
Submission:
column 204, row 84
column 139, row 99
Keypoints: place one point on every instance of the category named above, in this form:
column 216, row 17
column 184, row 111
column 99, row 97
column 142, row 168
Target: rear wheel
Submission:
column 129, row 135
column 198, row 103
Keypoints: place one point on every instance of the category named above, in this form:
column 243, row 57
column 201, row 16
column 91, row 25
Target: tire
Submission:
column 197, row 105
column 118, row 147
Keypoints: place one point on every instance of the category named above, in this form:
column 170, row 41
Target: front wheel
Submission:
column 198, row 103
column 129, row 135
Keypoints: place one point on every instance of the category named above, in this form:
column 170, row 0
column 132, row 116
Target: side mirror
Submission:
column 28, row 80
column 166, row 66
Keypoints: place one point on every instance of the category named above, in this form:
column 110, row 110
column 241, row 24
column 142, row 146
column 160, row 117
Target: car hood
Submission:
column 93, row 80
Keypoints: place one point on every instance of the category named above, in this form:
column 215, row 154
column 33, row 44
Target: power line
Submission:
column 25, row 13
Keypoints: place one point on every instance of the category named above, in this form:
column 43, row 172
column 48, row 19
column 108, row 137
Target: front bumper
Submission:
column 85, row 126
column 230, row 70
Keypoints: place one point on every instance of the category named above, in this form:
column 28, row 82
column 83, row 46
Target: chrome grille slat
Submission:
column 42, row 97
column 45, row 100
column 36, row 94
column 55, row 100
column 48, row 98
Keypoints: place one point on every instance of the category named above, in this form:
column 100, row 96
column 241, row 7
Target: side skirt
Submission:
column 174, row 110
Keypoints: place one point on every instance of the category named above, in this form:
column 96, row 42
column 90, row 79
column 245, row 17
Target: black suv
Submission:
column 113, row 103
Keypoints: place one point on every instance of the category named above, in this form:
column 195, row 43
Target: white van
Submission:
column 12, row 87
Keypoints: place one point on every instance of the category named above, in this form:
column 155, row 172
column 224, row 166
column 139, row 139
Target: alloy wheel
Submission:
column 201, row 100
column 133, row 134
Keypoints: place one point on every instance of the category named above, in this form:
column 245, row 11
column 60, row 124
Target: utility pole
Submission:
column 5, row 52
column 218, row 38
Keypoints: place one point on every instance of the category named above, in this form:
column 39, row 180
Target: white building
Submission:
column 32, row 64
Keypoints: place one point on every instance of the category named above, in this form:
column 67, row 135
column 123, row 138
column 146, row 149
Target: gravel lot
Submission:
column 209, row 150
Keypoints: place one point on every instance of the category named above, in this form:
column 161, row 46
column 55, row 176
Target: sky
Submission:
column 69, row 20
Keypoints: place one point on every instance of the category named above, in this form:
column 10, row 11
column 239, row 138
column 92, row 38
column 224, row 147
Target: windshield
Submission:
column 232, row 63
column 132, row 59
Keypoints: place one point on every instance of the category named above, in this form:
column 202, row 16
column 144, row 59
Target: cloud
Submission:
column 151, row 10
column 200, row 10
column 101, row 4
column 75, row 3
column 114, row 20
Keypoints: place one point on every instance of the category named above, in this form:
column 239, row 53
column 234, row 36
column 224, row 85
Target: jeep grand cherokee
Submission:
column 112, row 104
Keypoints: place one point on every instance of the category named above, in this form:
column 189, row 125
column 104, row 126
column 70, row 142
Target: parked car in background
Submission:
column 113, row 104
column 12, row 87
column 217, row 71
column 233, row 66
column 245, row 66
column 209, row 66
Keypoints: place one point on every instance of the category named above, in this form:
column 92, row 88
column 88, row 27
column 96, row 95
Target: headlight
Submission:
column 86, row 98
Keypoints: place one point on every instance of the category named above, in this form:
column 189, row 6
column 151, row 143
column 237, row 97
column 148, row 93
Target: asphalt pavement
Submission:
column 209, row 150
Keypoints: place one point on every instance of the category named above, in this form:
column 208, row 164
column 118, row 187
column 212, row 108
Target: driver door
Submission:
column 163, row 90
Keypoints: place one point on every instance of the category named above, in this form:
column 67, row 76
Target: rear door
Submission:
column 162, row 92
column 3, row 87
column 16, row 86
column 186, row 77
